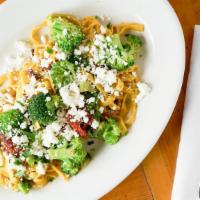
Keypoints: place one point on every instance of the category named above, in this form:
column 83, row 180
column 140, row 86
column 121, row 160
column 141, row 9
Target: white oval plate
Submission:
column 163, row 69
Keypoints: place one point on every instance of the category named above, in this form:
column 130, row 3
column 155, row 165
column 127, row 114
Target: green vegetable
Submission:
column 86, row 87
column 66, row 34
column 108, row 131
column 31, row 160
column 92, row 105
column 79, row 60
column 97, row 17
column 74, row 151
column 49, row 50
column 125, row 53
column 30, row 135
column 38, row 110
column 17, row 161
column 70, row 167
column 54, row 104
column 10, row 120
column 132, row 46
column 26, row 153
column 61, row 153
column 24, row 186
column 19, row 173
column 109, row 25
column 72, row 157
column 62, row 73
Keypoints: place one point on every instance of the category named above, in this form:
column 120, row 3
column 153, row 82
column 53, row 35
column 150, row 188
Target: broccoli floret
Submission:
column 66, row 34
column 124, row 53
column 31, row 160
column 74, row 151
column 92, row 105
column 62, row 73
column 70, row 167
column 40, row 111
column 79, row 59
column 132, row 46
column 54, row 104
column 10, row 120
column 108, row 131
column 71, row 157
column 24, row 186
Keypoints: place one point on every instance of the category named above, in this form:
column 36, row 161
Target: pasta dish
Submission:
column 73, row 81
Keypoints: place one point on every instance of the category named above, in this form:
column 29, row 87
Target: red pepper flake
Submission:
column 77, row 127
column 8, row 146
column 80, row 127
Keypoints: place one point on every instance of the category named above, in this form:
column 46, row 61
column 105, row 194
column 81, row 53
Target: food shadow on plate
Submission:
column 93, row 146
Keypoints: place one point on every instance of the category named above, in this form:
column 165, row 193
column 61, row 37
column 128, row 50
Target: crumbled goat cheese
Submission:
column 49, row 135
column 68, row 133
column 81, row 50
column 144, row 90
column 23, row 125
column 134, row 74
column 45, row 62
column 101, row 109
column 46, row 54
column 33, row 87
column 91, row 100
column 40, row 168
column 20, row 140
column 30, row 88
column 35, row 59
column 10, row 159
column 106, row 78
column 61, row 56
column 71, row 95
column 108, row 39
column 48, row 99
column 92, row 112
column 9, row 127
column 43, row 39
column 78, row 115
column 64, row 32
column 95, row 124
column 116, row 93
column 42, row 89
column 55, row 47
column 38, row 150
column 81, row 77
column 77, row 52
column 24, row 49
column 20, row 105
column 103, row 29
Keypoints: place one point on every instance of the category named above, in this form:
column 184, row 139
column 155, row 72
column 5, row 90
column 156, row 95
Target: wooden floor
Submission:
column 153, row 179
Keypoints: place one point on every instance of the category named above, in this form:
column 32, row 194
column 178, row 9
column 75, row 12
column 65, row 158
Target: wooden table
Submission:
column 153, row 179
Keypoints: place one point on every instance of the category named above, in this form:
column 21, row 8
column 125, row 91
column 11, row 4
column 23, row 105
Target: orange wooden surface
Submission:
column 153, row 179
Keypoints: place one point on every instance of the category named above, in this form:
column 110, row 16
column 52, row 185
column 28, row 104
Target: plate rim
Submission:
column 147, row 150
